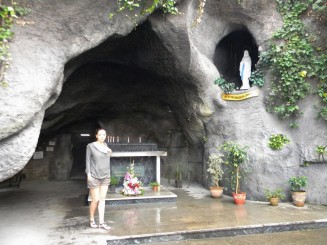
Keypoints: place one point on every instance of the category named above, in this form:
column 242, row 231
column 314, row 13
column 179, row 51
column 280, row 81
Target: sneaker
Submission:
column 93, row 224
column 104, row 226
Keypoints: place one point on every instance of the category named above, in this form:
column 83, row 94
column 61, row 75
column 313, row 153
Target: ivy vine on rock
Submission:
column 277, row 141
column 295, row 61
column 224, row 85
column 7, row 13
column 145, row 6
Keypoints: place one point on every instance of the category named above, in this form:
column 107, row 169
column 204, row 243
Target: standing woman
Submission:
column 98, row 176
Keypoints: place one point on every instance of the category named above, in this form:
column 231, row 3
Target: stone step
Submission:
column 219, row 232
column 149, row 196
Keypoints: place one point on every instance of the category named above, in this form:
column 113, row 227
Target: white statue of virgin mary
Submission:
column 245, row 70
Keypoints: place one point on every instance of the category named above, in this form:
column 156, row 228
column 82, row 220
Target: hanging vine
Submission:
column 296, row 62
column 146, row 7
column 7, row 13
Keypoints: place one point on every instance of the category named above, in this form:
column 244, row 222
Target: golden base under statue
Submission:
column 240, row 95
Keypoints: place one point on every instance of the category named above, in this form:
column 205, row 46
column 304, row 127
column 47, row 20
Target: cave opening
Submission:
column 229, row 53
column 117, row 86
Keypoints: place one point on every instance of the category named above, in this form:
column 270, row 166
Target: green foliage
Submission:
column 234, row 156
column 257, row 78
column 319, row 5
column 146, row 7
column 174, row 171
column 224, row 85
column 214, row 167
column 297, row 183
column 21, row 11
column 152, row 184
column 277, row 141
column 130, row 168
column 294, row 125
column 294, row 60
column 277, row 193
column 7, row 15
column 114, row 181
column 321, row 150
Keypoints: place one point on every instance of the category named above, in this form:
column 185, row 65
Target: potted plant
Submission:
column 321, row 150
column 235, row 157
column 216, row 172
column 155, row 186
column 274, row 195
column 175, row 172
column 297, row 183
column 178, row 176
column 114, row 182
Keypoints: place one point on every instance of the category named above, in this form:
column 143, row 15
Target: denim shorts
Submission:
column 95, row 183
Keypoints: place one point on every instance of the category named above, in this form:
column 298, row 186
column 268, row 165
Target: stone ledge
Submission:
column 149, row 196
column 220, row 232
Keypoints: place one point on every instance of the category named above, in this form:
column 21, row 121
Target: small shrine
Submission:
column 136, row 165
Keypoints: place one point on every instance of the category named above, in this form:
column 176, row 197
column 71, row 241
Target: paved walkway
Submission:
column 44, row 212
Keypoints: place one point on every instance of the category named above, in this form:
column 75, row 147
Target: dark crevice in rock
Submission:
column 229, row 53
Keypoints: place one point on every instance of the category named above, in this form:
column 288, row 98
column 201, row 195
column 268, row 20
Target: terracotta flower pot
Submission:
column 216, row 191
column 155, row 188
column 239, row 198
column 274, row 201
column 299, row 198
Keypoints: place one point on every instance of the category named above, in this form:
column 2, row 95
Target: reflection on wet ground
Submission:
column 44, row 212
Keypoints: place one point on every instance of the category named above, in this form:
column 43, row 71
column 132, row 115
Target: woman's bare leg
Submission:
column 102, row 203
column 95, row 195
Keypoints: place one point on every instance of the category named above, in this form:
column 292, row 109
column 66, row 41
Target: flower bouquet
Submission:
column 132, row 186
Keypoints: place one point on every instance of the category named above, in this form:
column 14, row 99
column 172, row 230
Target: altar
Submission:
column 140, row 155
column 144, row 156
column 146, row 159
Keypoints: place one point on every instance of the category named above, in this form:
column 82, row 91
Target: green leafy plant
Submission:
column 174, row 171
column 114, row 181
column 297, row 183
column 7, row 13
column 146, row 7
column 224, row 85
column 294, row 60
column 257, row 78
column 321, row 150
column 276, row 193
column 215, row 167
column 21, row 11
column 277, row 141
column 152, row 184
column 235, row 156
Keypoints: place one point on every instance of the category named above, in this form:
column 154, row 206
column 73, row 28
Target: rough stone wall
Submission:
column 53, row 33
column 62, row 163
column 182, row 56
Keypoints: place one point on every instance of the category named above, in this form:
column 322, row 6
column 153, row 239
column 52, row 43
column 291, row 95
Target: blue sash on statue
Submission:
column 242, row 71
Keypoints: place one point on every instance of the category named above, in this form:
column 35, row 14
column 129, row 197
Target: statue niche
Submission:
column 230, row 52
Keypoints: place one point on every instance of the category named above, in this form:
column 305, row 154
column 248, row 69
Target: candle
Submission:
column 117, row 139
column 140, row 139
column 127, row 139
column 113, row 139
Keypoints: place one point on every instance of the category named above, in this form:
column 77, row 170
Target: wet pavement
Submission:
column 45, row 212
